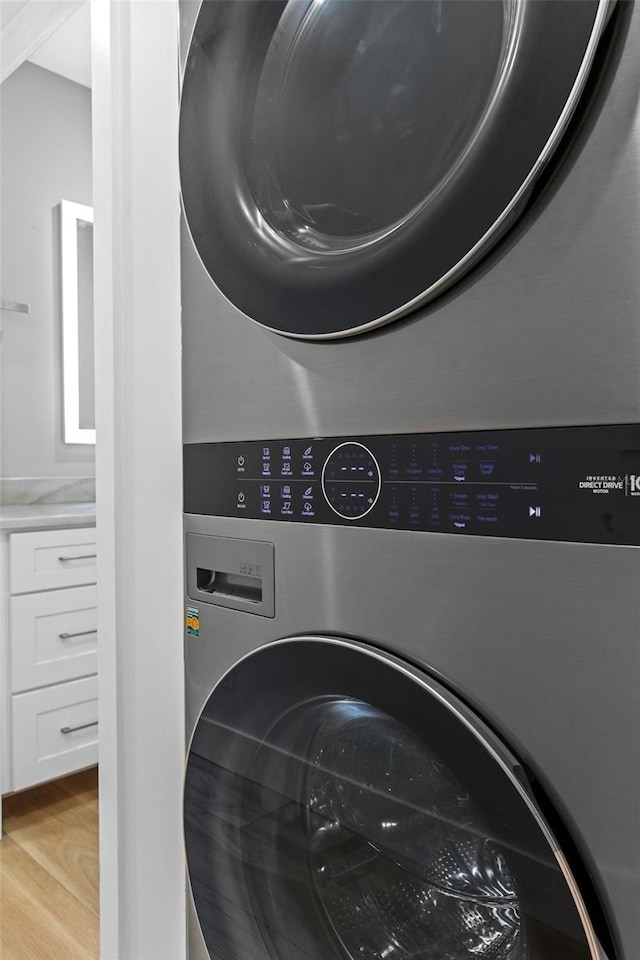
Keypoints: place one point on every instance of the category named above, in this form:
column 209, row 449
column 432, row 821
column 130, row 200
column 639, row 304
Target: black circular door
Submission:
column 340, row 805
column 343, row 161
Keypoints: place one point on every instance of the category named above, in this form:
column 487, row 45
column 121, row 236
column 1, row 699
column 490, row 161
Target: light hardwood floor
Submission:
column 49, row 872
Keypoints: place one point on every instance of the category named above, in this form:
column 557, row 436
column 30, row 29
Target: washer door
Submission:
column 340, row 805
column 343, row 161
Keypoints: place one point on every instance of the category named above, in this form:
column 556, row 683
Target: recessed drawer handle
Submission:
column 82, row 726
column 78, row 633
column 82, row 556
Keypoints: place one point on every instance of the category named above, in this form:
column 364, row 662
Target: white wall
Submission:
column 46, row 157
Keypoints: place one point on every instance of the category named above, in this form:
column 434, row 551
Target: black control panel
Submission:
column 577, row 484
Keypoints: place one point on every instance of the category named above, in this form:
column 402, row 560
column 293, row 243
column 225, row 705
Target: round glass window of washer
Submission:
column 364, row 110
column 403, row 867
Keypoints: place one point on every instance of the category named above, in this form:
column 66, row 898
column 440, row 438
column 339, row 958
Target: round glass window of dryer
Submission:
column 345, row 161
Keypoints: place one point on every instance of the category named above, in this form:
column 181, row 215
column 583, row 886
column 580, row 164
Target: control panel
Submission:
column 351, row 480
column 577, row 484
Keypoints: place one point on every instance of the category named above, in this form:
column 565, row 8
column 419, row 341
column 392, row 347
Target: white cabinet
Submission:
column 53, row 637
column 55, row 731
column 48, row 559
column 51, row 696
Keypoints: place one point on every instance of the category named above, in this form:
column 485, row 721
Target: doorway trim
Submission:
column 139, row 477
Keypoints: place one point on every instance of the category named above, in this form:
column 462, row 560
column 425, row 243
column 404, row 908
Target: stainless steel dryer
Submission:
column 412, row 463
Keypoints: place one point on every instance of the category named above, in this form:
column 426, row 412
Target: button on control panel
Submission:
column 351, row 480
column 579, row 484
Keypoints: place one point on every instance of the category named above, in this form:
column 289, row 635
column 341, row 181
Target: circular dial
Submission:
column 351, row 480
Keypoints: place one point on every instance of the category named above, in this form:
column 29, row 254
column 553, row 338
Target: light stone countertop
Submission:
column 37, row 516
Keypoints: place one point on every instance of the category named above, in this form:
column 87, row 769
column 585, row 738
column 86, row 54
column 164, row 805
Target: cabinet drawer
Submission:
column 48, row 559
column 53, row 637
column 54, row 731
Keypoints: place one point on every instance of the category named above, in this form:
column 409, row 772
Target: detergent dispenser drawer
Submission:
column 231, row 573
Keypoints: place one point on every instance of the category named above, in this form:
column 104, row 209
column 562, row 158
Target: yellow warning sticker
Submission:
column 193, row 622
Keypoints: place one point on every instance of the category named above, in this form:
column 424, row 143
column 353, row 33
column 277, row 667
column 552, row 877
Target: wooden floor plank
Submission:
column 39, row 918
column 83, row 788
column 84, row 783
column 67, row 851
column 49, row 872
column 72, row 800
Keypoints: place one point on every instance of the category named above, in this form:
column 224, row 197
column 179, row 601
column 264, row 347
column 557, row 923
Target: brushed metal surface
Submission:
column 544, row 332
column 541, row 639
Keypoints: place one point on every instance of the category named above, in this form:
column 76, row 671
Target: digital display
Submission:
column 565, row 483
column 351, row 480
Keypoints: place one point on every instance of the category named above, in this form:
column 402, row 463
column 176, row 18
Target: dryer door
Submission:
column 343, row 161
column 340, row 805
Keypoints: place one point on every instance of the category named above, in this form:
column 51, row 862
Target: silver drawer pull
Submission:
column 82, row 726
column 78, row 633
column 82, row 556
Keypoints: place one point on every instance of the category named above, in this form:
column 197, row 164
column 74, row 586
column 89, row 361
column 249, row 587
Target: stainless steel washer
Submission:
column 412, row 565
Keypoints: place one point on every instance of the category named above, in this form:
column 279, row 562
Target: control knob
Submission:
column 351, row 480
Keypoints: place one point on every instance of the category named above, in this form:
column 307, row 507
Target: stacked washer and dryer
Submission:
column 411, row 304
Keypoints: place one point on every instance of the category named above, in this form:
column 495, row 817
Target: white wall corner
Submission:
column 31, row 23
